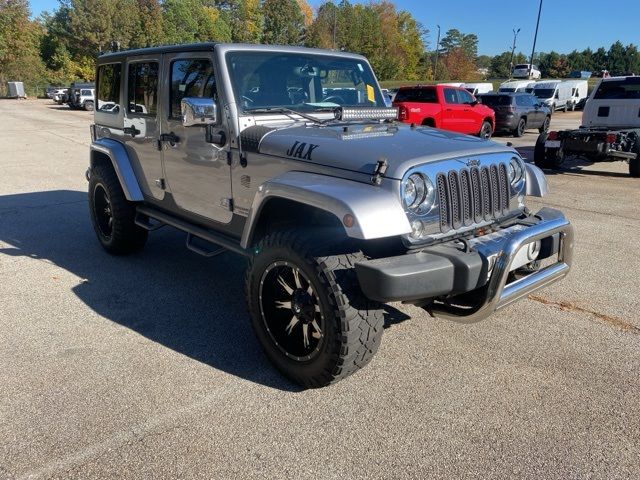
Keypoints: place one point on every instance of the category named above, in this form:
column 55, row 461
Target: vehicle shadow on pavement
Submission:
column 166, row 293
column 573, row 165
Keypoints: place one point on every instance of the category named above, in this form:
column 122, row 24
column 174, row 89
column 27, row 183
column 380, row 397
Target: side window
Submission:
column 142, row 95
column 450, row 95
column 521, row 101
column 108, row 96
column 464, row 97
column 190, row 78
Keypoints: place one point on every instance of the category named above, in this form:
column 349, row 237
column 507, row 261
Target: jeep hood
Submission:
column 358, row 148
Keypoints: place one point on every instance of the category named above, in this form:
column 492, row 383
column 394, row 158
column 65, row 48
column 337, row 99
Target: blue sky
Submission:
column 565, row 24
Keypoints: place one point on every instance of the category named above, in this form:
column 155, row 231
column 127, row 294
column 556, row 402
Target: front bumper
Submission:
column 444, row 271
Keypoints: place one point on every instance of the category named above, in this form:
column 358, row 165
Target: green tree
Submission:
column 187, row 21
column 500, row 64
column 283, row 22
column 20, row 46
column 616, row 59
column 149, row 28
column 632, row 59
column 454, row 39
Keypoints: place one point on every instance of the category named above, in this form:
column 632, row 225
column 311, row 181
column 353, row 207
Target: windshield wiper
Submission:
column 290, row 112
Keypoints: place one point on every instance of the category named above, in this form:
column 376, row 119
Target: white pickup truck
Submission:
column 610, row 129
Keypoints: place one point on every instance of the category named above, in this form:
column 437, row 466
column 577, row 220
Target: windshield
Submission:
column 544, row 92
column 495, row 100
column 506, row 90
column 627, row 89
column 301, row 81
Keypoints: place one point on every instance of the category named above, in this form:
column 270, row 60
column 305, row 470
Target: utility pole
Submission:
column 513, row 49
column 435, row 68
column 335, row 23
column 535, row 38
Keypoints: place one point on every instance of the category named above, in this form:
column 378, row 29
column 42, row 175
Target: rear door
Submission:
column 197, row 174
column 141, row 124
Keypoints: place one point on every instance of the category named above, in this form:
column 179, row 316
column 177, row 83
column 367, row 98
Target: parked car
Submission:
column 446, row 107
column 337, row 207
column 52, row 92
column 57, row 94
column 478, row 88
column 516, row 86
column 584, row 74
column 81, row 96
column 526, row 70
column 579, row 93
column 556, row 94
column 517, row 112
column 610, row 129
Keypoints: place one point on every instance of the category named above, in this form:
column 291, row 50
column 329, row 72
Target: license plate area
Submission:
column 552, row 144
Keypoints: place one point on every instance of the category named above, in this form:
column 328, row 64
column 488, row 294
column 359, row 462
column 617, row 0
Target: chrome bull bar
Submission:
column 499, row 294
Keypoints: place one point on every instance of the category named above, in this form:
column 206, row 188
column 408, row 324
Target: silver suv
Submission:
column 290, row 157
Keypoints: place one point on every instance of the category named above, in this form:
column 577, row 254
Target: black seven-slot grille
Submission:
column 472, row 195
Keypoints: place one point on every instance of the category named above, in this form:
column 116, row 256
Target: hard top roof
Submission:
column 209, row 46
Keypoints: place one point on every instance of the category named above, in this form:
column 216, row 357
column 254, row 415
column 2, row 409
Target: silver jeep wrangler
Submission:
column 289, row 157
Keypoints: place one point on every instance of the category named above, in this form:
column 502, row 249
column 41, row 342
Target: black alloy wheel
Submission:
column 291, row 311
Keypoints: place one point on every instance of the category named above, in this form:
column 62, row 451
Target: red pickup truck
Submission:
column 445, row 107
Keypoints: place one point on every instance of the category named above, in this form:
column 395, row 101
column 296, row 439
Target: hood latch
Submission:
column 380, row 170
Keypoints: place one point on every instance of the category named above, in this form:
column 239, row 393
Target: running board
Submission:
column 193, row 231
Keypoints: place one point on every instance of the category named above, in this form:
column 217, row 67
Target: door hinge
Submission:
column 161, row 183
column 227, row 203
column 229, row 158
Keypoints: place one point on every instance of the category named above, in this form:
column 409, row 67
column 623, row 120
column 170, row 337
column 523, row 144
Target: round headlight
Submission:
column 410, row 193
column 516, row 171
column 418, row 193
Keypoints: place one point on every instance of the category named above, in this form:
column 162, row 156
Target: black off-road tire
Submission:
column 353, row 324
column 486, row 130
column 544, row 128
column 519, row 130
column 549, row 158
column 122, row 236
column 634, row 163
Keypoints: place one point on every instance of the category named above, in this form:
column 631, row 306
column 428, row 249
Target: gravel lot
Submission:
column 145, row 367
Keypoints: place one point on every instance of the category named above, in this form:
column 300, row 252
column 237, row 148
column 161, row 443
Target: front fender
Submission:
column 121, row 164
column 377, row 211
column 536, row 181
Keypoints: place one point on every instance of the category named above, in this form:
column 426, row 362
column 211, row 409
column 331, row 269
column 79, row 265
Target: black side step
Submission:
column 193, row 231
column 144, row 221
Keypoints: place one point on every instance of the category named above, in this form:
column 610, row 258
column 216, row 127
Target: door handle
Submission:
column 133, row 131
column 171, row 137
column 449, row 110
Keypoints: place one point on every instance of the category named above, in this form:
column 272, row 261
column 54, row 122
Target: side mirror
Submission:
column 474, row 103
column 198, row 111
column 557, row 95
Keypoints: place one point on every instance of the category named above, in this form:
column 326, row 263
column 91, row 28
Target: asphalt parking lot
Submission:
column 145, row 366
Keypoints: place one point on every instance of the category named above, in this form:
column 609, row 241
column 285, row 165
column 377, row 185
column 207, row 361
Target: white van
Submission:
column 453, row 84
column 478, row 88
column 579, row 92
column 516, row 86
column 555, row 94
